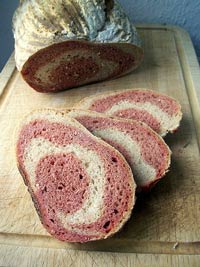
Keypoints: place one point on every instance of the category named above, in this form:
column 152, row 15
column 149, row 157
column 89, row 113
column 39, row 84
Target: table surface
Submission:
column 164, row 228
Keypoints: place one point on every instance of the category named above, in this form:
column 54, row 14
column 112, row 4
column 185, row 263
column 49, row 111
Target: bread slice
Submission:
column 64, row 44
column 82, row 188
column 161, row 112
column 144, row 149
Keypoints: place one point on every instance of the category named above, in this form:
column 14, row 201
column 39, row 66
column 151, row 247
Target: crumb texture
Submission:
column 145, row 151
column 162, row 113
column 82, row 188
column 72, row 63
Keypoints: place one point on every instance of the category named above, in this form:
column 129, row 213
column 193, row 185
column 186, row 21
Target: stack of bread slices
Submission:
column 83, row 166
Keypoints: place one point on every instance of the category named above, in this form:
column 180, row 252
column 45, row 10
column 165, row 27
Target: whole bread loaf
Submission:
column 83, row 189
column 64, row 44
column 160, row 112
column 144, row 150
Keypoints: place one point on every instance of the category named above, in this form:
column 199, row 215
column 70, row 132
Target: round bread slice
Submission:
column 83, row 189
column 161, row 112
column 145, row 151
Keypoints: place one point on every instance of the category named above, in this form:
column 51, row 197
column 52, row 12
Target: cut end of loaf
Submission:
column 82, row 188
column 74, row 63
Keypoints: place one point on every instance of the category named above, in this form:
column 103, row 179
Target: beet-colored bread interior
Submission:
column 144, row 150
column 83, row 189
column 161, row 112
column 73, row 63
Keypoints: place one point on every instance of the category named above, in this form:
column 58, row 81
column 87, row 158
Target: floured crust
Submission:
column 78, row 126
column 38, row 24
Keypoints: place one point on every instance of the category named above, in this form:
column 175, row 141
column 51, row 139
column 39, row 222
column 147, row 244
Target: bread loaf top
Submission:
column 38, row 24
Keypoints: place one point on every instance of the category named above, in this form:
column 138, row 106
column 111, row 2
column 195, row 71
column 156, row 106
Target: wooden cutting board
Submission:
column 166, row 221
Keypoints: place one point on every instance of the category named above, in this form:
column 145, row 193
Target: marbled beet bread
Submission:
column 161, row 112
column 144, row 150
column 64, row 44
column 82, row 188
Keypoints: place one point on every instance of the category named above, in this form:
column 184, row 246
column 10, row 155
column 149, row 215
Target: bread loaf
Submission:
column 161, row 112
column 82, row 188
column 64, row 44
column 144, row 150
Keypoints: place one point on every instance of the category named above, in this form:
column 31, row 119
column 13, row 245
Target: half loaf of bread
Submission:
column 64, row 44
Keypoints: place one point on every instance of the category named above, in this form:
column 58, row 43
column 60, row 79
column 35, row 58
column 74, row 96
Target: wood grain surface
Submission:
column 164, row 227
